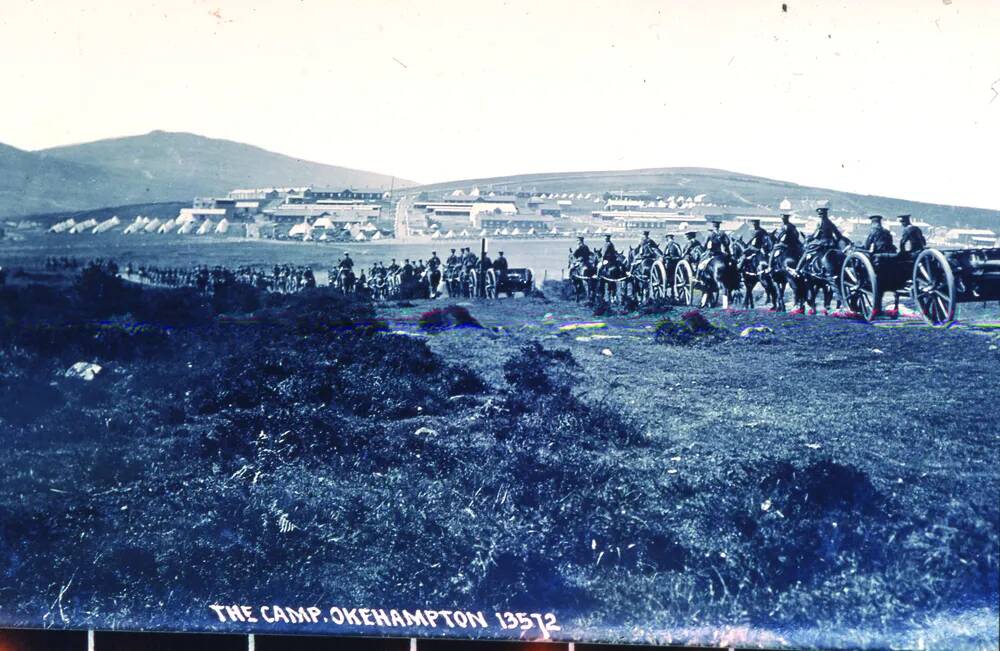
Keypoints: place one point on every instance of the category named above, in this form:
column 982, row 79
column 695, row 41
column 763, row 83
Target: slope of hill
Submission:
column 726, row 188
column 155, row 167
column 192, row 164
column 32, row 183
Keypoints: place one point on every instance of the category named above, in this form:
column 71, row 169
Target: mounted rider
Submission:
column 788, row 236
column 608, row 253
column 581, row 257
column 912, row 240
column 879, row 238
column 693, row 249
column 826, row 237
column 648, row 248
column 760, row 239
column 406, row 272
column 717, row 244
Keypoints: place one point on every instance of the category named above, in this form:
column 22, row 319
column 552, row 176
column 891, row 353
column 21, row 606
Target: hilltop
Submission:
column 156, row 167
column 723, row 187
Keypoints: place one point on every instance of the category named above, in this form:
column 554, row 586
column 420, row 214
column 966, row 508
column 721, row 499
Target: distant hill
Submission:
column 31, row 183
column 724, row 187
column 152, row 168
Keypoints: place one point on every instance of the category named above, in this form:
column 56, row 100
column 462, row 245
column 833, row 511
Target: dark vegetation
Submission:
column 691, row 328
column 255, row 448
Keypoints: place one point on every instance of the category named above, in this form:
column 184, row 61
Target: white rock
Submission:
column 86, row 371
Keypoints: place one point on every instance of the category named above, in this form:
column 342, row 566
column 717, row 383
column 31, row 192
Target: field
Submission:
column 645, row 476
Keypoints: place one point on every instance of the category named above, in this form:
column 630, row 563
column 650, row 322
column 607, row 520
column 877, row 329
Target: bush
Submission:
column 691, row 328
column 447, row 318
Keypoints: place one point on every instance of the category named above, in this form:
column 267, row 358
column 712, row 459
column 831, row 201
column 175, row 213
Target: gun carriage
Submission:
column 936, row 279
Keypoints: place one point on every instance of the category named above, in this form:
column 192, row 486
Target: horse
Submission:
column 719, row 278
column 753, row 265
column 432, row 278
column 453, row 281
column 821, row 275
column 610, row 275
column 780, row 261
column 344, row 280
column 582, row 273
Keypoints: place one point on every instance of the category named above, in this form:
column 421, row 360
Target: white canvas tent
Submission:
column 167, row 226
column 83, row 226
column 187, row 227
column 152, row 226
column 360, row 237
column 63, row 226
column 205, row 228
column 302, row 229
column 106, row 225
column 222, row 227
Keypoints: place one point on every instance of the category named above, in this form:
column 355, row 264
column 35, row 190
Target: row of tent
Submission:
column 320, row 233
column 73, row 227
column 182, row 224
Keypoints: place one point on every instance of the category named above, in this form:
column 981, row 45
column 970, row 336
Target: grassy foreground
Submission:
column 825, row 483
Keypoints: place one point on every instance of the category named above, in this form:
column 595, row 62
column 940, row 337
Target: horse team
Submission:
column 719, row 269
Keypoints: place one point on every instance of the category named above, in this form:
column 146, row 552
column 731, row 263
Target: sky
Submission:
column 879, row 96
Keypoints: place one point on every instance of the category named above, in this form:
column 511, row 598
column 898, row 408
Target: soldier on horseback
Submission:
column 648, row 250
column 826, row 237
column 608, row 252
column 717, row 244
column 760, row 240
column 788, row 235
column 693, row 249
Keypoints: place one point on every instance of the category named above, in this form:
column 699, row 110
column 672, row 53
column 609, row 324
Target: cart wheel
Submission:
column 684, row 283
column 933, row 288
column 657, row 280
column 859, row 286
column 491, row 283
column 472, row 283
column 529, row 282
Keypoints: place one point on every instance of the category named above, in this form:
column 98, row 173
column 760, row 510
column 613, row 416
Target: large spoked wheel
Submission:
column 684, row 283
column 529, row 282
column 658, row 280
column 491, row 283
column 933, row 288
column 472, row 283
column 859, row 286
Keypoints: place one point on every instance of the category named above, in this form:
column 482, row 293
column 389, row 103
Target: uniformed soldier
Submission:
column 500, row 264
column 452, row 259
column 648, row 249
column 471, row 260
column 406, row 271
column 693, row 249
column 434, row 263
column 346, row 262
column 608, row 251
column 912, row 241
column 760, row 239
column 671, row 249
column 879, row 239
column 825, row 237
column 788, row 235
column 393, row 268
column 717, row 242
column 582, row 253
